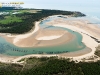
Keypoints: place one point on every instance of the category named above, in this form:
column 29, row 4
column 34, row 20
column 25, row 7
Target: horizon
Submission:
column 60, row 5
column 90, row 7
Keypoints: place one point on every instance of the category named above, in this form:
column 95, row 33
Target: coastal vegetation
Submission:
column 97, row 52
column 24, row 21
column 50, row 66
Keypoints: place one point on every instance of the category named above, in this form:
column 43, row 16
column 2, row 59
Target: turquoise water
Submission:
column 7, row 48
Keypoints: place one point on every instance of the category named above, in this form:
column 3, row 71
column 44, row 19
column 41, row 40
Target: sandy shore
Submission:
column 92, row 29
column 76, row 25
column 7, row 59
column 88, row 41
column 15, row 38
column 40, row 37
column 48, row 34
column 35, row 42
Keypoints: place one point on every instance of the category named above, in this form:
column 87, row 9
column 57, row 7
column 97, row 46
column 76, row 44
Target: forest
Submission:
column 24, row 22
column 50, row 66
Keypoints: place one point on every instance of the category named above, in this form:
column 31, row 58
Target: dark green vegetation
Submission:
column 50, row 66
column 97, row 52
column 24, row 21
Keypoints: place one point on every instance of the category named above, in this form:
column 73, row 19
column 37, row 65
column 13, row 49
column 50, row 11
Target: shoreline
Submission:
column 15, row 38
column 40, row 38
column 85, row 40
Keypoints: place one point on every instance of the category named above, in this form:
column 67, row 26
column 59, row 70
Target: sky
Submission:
column 70, row 5
column 56, row 4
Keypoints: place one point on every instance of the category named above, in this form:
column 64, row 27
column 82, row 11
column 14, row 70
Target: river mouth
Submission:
column 73, row 45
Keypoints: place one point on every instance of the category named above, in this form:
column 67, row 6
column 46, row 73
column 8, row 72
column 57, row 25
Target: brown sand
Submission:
column 76, row 53
column 84, row 24
column 33, row 42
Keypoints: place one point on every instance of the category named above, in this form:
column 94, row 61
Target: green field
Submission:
column 10, row 19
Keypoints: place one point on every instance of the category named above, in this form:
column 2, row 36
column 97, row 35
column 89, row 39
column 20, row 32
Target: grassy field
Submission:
column 10, row 19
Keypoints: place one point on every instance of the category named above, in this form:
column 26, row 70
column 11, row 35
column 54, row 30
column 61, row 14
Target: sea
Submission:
column 90, row 9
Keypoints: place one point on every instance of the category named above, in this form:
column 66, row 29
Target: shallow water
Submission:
column 74, row 45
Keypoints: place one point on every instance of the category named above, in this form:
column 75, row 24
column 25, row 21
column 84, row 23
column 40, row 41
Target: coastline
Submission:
column 84, row 53
column 88, row 41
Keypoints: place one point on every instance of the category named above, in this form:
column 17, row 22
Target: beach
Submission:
column 41, row 37
column 85, row 30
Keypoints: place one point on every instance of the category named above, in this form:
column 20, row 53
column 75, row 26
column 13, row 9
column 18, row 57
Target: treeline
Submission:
column 28, row 20
column 51, row 66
